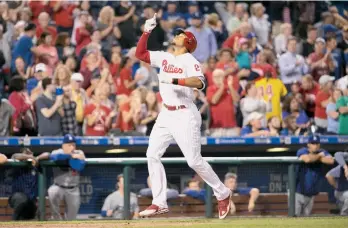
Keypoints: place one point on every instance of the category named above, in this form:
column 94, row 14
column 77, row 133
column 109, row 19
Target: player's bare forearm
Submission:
column 328, row 160
column 43, row 156
column 254, row 194
column 331, row 181
column 22, row 157
column 309, row 158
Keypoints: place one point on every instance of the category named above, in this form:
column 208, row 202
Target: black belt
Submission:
column 66, row 187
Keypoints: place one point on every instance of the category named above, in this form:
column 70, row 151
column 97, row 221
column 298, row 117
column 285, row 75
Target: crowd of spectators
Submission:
column 273, row 68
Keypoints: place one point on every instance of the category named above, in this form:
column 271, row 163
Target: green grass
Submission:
column 314, row 222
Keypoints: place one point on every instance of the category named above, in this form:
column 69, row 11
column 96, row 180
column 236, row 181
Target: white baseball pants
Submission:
column 184, row 127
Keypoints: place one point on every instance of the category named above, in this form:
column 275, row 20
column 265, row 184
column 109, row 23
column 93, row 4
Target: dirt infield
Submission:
column 313, row 222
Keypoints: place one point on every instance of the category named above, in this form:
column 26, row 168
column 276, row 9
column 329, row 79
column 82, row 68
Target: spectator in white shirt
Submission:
column 291, row 65
column 259, row 22
column 281, row 40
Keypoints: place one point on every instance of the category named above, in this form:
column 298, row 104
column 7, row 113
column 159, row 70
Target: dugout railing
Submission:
column 127, row 164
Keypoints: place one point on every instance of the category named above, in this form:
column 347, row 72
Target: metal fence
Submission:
column 125, row 165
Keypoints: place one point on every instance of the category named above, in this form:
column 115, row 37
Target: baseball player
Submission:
column 338, row 178
column 310, row 174
column 179, row 118
column 66, row 179
column 113, row 204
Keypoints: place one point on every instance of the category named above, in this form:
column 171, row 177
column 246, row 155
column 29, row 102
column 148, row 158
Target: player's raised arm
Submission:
column 141, row 52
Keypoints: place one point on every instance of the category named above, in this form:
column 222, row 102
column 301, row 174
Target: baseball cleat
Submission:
column 224, row 206
column 153, row 210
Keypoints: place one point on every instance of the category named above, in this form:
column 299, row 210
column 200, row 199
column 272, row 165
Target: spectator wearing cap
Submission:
column 24, row 47
column 78, row 95
column 240, row 16
column 253, row 127
column 259, row 23
column 47, row 52
column 232, row 41
column 206, row 41
column 342, row 106
column 113, row 205
column 157, row 36
column 309, row 91
column 43, row 26
column 34, row 87
column 170, row 16
column 218, row 28
column 320, row 63
column 63, row 15
column 308, row 45
column 338, row 179
column 23, row 121
column 83, row 33
column 332, row 113
column 336, row 54
column 281, row 40
column 243, row 57
column 193, row 8
column 321, row 101
column 231, row 182
column 255, row 48
column 222, row 99
column 254, row 102
column 310, row 174
column 49, row 110
column 292, row 66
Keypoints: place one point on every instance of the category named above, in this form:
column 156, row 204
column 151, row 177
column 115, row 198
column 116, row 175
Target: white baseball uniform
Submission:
column 182, row 125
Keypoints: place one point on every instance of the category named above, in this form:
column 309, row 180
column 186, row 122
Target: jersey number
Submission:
column 268, row 92
column 197, row 67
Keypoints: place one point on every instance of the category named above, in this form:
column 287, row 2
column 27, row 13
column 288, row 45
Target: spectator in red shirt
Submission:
column 321, row 63
column 123, row 81
column 114, row 65
column 232, row 41
column 23, row 118
column 83, row 33
column 321, row 101
column 47, row 52
column 309, row 91
column 43, row 26
column 264, row 63
column 98, row 116
column 38, row 7
column 222, row 100
column 63, row 15
column 229, row 66
column 127, row 109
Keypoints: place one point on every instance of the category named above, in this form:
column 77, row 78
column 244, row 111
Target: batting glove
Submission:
column 167, row 81
column 150, row 24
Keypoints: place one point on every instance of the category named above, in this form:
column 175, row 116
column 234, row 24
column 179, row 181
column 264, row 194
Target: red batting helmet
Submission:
column 190, row 41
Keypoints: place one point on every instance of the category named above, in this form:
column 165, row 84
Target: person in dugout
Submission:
column 23, row 199
column 66, row 179
column 338, row 179
column 310, row 174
